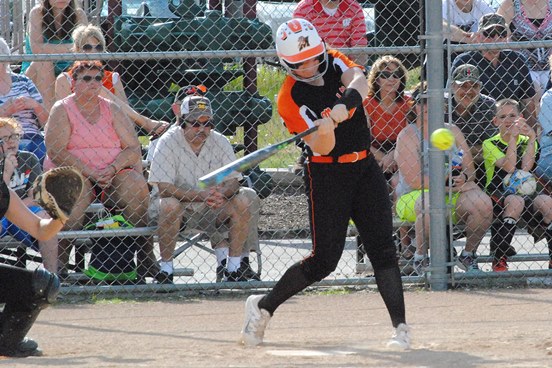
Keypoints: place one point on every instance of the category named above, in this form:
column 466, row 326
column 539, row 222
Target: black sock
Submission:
column 244, row 261
column 495, row 227
column 548, row 235
column 390, row 287
column 503, row 237
column 292, row 282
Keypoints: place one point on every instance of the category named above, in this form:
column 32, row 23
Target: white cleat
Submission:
column 255, row 323
column 401, row 338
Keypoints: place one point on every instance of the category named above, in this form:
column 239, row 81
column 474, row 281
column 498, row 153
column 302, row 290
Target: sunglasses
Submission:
column 386, row 75
column 89, row 47
column 89, row 78
column 199, row 124
column 495, row 32
column 13, row 138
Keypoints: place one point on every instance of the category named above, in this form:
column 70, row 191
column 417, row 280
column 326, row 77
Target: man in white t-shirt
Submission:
column 460, row 24
column 465, row 14
column 228, row 213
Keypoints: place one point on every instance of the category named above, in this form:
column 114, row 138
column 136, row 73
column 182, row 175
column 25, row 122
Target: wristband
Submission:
column 351, row 98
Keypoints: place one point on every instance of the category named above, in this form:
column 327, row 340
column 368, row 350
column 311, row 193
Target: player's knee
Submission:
column 169, row 206
column 45, row 287
column 241, row 208
column 317, row 271
column 384, row 260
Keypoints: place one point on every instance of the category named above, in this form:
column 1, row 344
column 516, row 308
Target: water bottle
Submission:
column 456, row 163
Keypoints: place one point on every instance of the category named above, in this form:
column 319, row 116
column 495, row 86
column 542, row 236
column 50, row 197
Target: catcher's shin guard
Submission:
column 45, row 288
column 14, row 324
column 13, row 329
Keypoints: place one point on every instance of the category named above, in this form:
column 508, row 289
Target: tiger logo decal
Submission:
column 303, row 42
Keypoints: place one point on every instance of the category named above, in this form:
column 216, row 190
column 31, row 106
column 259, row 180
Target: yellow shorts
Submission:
column 406, row 205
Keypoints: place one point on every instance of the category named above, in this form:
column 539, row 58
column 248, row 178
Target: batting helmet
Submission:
column 297, row 41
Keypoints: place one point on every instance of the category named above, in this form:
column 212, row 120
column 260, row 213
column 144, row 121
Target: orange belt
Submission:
column 343, row 159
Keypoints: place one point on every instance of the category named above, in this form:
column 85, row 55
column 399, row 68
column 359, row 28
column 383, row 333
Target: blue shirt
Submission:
column 545, row 119
column 24, row 87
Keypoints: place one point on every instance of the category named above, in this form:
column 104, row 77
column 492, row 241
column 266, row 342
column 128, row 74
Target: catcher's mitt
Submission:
column 57, row 191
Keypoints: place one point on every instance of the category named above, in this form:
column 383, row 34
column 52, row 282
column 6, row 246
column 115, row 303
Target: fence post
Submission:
column 437, row 208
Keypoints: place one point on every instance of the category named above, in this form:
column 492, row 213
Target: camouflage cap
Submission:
column 491, row 20
column 465, row 73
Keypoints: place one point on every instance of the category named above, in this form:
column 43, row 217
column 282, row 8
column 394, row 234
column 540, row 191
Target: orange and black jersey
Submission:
column 300, row 104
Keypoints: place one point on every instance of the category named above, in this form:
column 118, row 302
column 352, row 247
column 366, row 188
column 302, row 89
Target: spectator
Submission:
column 503, row 73
column 460, row 23
column 21, row 168
column 463, row 17
column 531, row 21
column 544, row 164
column 340, row 23
column 470, row 205
column 189, row 90
column 50, row 25
column 188, row 151
column 20, row 100
column 387, row 108
column 89, row 38
column 95, row 136
column 472, row 112
column 514, row 147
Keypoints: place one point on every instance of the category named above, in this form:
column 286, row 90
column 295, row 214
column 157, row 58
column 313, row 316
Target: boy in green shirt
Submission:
column 513, row 148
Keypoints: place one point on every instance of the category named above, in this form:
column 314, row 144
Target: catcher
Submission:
column 25, row 292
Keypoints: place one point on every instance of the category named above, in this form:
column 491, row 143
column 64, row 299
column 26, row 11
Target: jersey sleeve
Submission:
column 343, row 61
column 295, row 119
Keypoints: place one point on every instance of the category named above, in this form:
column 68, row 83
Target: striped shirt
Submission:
column 346, row 28
column 23, row 86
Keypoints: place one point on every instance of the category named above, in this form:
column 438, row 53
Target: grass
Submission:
column 269, row 80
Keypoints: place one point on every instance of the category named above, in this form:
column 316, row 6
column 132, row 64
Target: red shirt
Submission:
column 346, row 28
column 386, row 125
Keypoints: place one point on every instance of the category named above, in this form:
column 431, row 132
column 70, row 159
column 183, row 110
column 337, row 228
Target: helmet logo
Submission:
column 294, row 25
column 303, row 42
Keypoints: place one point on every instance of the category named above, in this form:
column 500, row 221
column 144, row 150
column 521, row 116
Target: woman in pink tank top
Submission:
column 94, row 135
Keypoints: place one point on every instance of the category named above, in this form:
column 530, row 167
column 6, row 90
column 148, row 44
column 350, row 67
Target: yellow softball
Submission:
column 442, row 139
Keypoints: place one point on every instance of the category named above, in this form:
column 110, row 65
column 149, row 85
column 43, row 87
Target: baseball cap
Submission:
column 190, row 90
column 491, row 20
column 194, row 107
column 465, row 73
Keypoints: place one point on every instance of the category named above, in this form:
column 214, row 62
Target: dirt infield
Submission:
column 475, row 328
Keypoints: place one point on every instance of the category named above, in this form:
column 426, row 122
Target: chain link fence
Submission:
column 162, row 59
